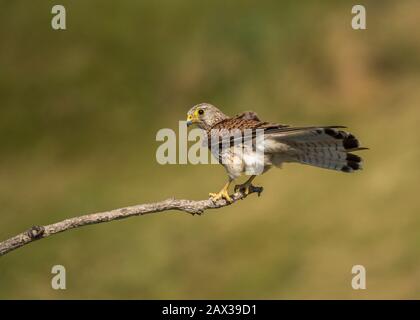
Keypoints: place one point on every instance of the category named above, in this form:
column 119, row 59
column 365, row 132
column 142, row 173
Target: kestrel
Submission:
column 321, row 146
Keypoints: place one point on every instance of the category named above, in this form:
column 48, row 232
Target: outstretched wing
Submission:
column 323, row 146
column 249, row 122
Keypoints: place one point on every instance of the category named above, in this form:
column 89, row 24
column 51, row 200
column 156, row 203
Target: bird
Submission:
column 328, row 147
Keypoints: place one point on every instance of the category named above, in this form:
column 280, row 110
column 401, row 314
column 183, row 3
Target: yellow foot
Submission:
column 244, row 188
column 223, row 194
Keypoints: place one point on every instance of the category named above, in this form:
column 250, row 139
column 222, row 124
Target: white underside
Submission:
column 245, row 161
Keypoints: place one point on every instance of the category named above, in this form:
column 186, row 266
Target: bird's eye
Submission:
column 201, row 111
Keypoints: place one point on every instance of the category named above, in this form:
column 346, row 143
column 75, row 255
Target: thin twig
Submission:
column 188, row 206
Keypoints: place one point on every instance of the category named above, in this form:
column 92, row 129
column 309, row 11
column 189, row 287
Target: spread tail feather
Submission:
column 323, row 147
column 340, row 161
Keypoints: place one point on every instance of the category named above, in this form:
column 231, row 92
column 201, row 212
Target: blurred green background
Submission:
column 79, row 111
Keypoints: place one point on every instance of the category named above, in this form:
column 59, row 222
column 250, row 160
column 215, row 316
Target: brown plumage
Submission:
column 249, row 115
column 327, row 147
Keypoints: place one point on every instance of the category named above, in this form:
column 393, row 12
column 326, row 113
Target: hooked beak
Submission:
column 189, row 120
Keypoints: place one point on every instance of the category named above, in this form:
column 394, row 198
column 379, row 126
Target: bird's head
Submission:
column 204, row 115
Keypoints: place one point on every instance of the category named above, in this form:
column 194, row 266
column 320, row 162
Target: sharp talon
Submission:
column 221, row 195
column 248, row 189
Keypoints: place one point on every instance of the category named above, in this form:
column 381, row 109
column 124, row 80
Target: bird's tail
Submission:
column 325, row 147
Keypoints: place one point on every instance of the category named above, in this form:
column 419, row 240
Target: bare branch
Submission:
column 188, row 206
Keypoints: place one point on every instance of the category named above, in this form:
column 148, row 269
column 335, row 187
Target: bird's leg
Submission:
column 222, row 194
column 244, row 188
